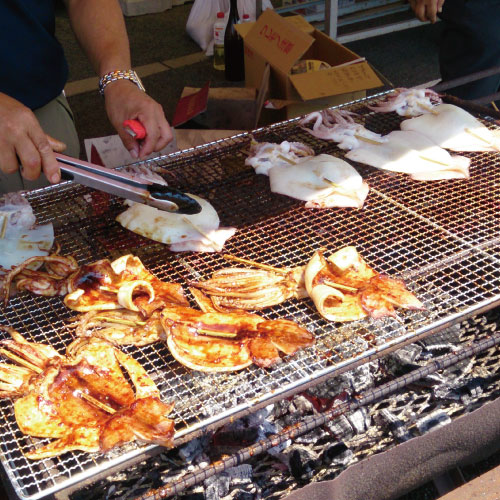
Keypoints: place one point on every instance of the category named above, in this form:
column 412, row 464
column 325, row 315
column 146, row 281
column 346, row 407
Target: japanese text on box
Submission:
column 273, row 36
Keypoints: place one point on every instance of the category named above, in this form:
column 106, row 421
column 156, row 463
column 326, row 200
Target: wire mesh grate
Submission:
column 441, row 237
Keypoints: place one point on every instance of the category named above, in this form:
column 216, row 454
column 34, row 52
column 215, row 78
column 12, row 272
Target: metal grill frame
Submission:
column 450, row 261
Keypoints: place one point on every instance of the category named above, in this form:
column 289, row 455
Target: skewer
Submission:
column 366, row 139
column 339, row 286
column 371, row 141
column 216, row 333
column 21, row 361
column 120, row 321
column 434, row 161
column 495, row 107
column 96, row 402
column 429, row 109
column 205, row 235
column 255, row 264
column 284, row 158
column 477, row 136
column 5, row 221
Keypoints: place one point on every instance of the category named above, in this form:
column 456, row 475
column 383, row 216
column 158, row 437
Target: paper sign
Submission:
column 190, row 106
column 337, row 80
column 279, row 41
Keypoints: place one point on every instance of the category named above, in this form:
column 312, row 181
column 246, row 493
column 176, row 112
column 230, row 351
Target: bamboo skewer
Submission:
column 20, row 360
column 120, row 321
column 216, row 333
column 288, row 160
column 255, row 264
column 433, row 161
column 371, row 141
column 477, row 136
column 339, row 286
column 5, row 221
column 366, row 139
column 429, row 109
column 96, row 402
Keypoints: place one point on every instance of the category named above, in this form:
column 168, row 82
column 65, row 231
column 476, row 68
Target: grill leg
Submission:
column 449, row 481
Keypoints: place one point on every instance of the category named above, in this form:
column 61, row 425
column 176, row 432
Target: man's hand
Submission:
column 427, row 10
column 23, row 141
column 124, row 101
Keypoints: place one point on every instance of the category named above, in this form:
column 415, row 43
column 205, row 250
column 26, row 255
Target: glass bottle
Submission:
column 219, row 30
column 233, row 47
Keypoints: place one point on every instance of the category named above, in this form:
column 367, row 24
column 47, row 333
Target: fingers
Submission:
column 56, row 145
column 23, row 144
column 131, row 144
column 124, row 101
column 46, row 159
column 426, row 10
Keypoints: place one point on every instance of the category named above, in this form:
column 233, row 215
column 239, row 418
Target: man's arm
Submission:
column 100, row 29
column 427, row 10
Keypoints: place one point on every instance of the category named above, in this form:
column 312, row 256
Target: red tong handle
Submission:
column 135, row 128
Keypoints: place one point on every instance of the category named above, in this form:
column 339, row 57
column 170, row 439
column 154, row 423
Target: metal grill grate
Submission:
column 441, row 237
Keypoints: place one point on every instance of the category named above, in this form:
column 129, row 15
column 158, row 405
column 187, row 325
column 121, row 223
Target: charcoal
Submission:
column 193, row 496
column 395, row 426
column 244, row 495
column 241, row 472
column 408, row 354
column 340, row 428
column 275, row 451
column 433, row 421
column 360, row 421
column 444, row 391
column 188, row 452
column 281, row 408
column 336, row 454
column 217, row 487
column 302, row 405
column 310, row 437
column 302, row 463
column 448, row 336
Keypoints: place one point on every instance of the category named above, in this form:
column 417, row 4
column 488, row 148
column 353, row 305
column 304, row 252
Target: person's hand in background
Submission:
column 427, row 10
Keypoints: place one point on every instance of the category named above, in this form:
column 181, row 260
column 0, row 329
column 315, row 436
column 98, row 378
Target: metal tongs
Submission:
column 126, row 186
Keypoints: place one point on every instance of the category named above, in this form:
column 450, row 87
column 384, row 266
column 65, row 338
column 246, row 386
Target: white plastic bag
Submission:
column 200, row 23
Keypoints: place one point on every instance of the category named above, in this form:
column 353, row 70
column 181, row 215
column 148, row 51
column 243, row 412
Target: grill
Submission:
column 441, row 238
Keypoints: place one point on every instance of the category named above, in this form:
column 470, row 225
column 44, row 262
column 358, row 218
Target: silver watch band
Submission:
column 112, row 76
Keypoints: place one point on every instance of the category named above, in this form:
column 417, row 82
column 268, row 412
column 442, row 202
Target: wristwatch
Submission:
column 112, row 76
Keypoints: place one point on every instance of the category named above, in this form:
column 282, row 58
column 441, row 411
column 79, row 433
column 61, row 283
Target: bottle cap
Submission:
column 220, row 15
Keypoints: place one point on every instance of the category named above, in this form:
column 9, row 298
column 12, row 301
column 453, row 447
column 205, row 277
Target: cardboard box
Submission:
column 227, row 108
column 281, row 43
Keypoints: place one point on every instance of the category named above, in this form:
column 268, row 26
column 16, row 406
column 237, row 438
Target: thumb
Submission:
column 56, row 145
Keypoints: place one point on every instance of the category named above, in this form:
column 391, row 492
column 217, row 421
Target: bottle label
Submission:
column 219, row 35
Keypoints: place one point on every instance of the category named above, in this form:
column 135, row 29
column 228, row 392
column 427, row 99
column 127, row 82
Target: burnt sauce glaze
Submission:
column 186, row 204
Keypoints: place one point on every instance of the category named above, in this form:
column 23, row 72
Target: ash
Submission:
column 324, row 452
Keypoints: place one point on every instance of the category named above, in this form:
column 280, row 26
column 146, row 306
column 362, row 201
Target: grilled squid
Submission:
column 82, row 400
column 408, row 102
column 212, row 341
column 123, row 283
column 344, row 288
column 253, row 289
